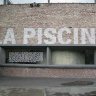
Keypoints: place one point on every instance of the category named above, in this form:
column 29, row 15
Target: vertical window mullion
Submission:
column 48, row 56
column 94, row 57
column 2, row 56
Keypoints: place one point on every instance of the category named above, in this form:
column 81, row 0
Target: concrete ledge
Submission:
column 74, row 66
column 48, row 45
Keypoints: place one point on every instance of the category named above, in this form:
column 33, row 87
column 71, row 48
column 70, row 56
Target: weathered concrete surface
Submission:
column 47, row 82
column 21, row 92
column 47, row 87
column 71, row 91
column 67, row 57
column 67, row 91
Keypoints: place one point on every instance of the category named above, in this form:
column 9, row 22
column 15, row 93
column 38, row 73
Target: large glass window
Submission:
column 48, row 55
column 26, row 55
column 73, row 57
column 66, row 57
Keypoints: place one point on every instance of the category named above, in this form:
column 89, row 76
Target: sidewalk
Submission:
column 12, row 86
column 46, row 82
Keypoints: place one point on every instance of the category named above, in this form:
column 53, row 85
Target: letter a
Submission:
column 9, row 37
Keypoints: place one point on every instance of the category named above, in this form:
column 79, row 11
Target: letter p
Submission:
column 28, row 33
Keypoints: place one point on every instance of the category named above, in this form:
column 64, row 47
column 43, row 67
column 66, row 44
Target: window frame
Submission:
column 48, row 49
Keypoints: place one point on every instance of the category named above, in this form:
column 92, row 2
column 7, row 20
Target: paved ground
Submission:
column 10, row 86
column 71, row 91
column 20, row 92
column 46, row 82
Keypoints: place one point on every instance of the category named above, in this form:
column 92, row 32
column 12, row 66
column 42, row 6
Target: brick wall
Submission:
column 47, row 15
column 57, row 16
column 48, row 72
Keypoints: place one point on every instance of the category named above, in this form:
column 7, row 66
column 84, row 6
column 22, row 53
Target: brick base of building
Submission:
column 48, row 72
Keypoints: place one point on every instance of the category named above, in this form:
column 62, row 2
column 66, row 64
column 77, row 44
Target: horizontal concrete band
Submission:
column 47, row 72
column 74, row 66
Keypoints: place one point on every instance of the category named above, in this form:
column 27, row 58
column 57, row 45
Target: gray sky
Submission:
column 52, row 1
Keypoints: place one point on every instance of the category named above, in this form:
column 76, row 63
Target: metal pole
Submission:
column 48, row 1
column 5, row 2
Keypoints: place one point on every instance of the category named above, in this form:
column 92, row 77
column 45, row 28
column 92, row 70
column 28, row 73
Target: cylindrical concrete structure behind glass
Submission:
column 67, row 58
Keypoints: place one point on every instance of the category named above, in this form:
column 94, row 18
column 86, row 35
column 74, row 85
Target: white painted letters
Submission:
column 88, row 36
column 9, row 37
column 50, row 36
column 75, row 35
column 28, row 33
column 60, row 36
